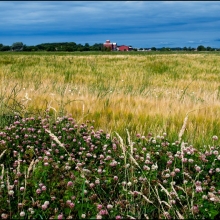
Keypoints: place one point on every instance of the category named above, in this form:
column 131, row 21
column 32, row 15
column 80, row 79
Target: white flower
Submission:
column 154, row 167
column 11, row 192
column 83, row 215
column 22, row 214
column 46, row 203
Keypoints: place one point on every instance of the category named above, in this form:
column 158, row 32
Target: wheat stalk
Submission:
column 30, row 167
column 54, row 137
column 2, row 153
column 145, row 197
column 3, row 169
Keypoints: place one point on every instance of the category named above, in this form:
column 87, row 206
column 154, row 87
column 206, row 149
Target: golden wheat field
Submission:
column 141, row 93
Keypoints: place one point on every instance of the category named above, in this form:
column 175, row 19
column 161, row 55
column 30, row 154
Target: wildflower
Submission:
column 212, row 199
column 68, row 202
column 99, row 206
column 98, row 216
column 71, row 205
column 197, row 168
column 191, row 160
column 69, row 184
column 97, row 181
column 83, row 215
column 215, row 152
column 146, row 167
column 177, row 170
column 92, row 185
column 99, row 171
column 44, row 206
column 115, row 178
column 154, row 167
column 215, row 138
column 103, row 212
column 205, row 197
column 22, row 214
column 198, row 183
column 113, row 163
column 123, row 183
column 172, row 174
column 154, row 141
column 44, row 188
column 172, row 201
column 109, row 206
column 60, row 216
column 38, row 191
column 4, row 216
column 184, row 160
column 167, row 175
column 118, row 217
column 11, row 192
column 167, row 215
column 169, row 162
column 198, row 189
column 22, row 188
column 46, row 202
column 195, row 209
column 217, row 170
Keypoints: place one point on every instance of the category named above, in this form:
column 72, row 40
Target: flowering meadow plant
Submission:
column 64, row 170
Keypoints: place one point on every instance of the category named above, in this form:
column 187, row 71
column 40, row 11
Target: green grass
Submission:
column 141, row 91
column 105, row 135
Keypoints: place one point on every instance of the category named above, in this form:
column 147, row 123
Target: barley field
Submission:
column 109, row 136
column 139, row 92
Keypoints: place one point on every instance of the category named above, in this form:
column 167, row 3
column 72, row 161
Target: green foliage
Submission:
column 58, row 168
column 18, row 46
column 201, row 48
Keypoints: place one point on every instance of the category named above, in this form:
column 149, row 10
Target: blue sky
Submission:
column 135, row 23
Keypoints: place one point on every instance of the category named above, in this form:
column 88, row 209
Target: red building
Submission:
column 111, row 46
column 123, row 48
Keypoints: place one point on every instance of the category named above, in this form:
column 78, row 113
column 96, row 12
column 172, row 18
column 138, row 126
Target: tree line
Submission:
column 66, row 46
column 72, row 46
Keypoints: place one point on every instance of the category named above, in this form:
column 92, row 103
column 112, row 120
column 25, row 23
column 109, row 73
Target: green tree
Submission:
column 86, row 47
column 201, row 48
column 153, row 48
column 18, row 46
column 5, row 48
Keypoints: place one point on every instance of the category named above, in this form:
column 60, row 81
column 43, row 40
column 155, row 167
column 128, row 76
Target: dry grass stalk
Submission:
column 165, row 190
column 3, row 169
column 176, row 194
column 130, row 217
column 145, row 197
column 179, row 215
column 130, row 143
column 19, row 163
column 122, row 146
column 135, row 162
column 183, row 128
column 30, row 167
column 2, row 153
column 54, row 137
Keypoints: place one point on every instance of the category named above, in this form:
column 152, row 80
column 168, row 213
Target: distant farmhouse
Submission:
column 111, row 46
column 124, row 48
column 114, row 47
